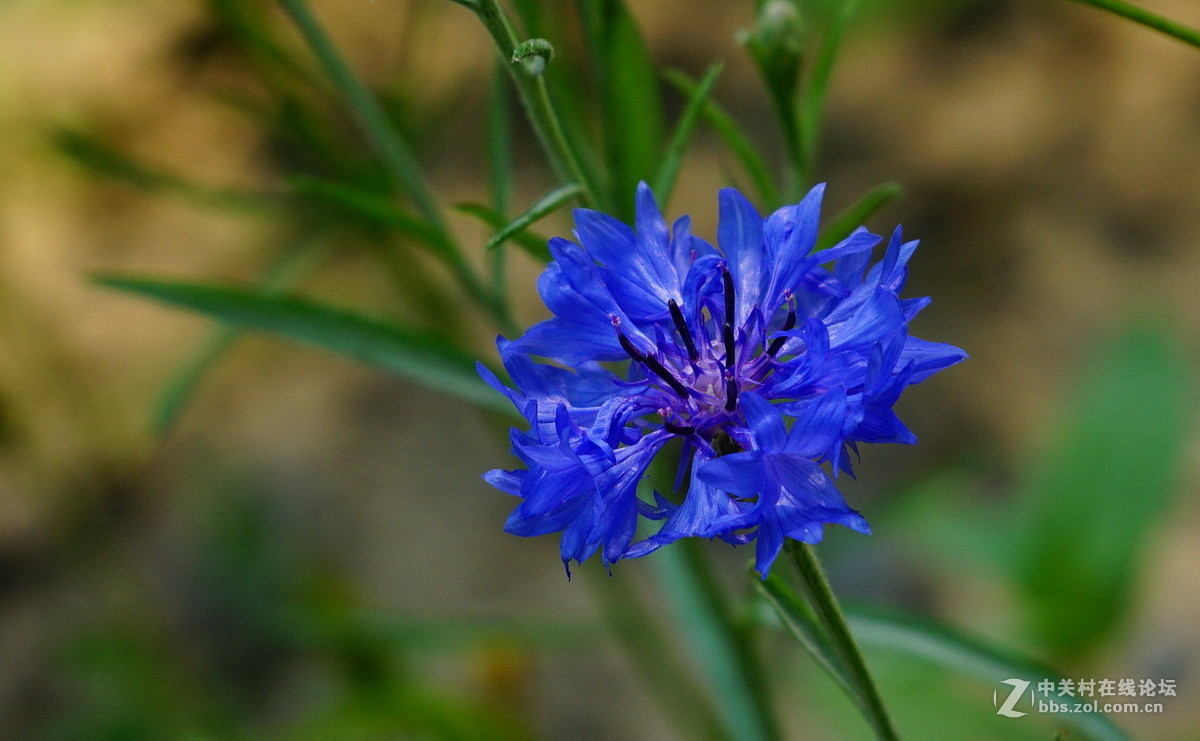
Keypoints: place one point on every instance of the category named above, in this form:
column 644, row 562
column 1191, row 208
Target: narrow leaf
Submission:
column 812, row 97
column 745, row 153
column 428, row 360
column 544, row 206
column 797, row 618
column 1149, row 20
column 370, row 208
column 391, row 146
column 107, row 161
column 857, row 214
column 726, row 654
column 631, row 103
column 534, row 244
column 664, row 182
column 499, row 142
column 968, row 656
column 289, row 268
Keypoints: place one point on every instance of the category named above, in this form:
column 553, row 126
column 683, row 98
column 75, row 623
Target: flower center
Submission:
column 695, row 382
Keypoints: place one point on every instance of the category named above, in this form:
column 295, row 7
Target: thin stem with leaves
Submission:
column 829, row 614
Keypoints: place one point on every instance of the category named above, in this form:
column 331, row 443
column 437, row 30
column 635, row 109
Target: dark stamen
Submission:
column 730, row 350
column 653, row 364
column 731, row 393
column 658, row 369
column 629, row 349
column 727, row 281
column 777, row 343
column 682, row 328
column 678, row 429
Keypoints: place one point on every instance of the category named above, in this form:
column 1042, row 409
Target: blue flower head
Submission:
column 767, row 360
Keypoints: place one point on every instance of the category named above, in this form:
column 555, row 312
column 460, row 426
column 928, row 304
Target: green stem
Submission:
column 812, row 97
column 655, row 659
column 536, row 99
column 395, row 152
column 1148, row 19
column 829, row 613
column 397, row 156
column 720, row 643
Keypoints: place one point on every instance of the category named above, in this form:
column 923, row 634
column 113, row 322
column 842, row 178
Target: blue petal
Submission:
column 508, row 482
column 791, row 234
column 765, row 421
column 736, row 473
column 876, row 319
column 928, row 358
column 740, row 235
column 818, row 426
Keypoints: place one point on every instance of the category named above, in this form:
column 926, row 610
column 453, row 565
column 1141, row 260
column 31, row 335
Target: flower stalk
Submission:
column 829, row 613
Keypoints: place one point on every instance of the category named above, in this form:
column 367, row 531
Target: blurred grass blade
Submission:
column 857, row 214
column 97, row 156
column 777, row 43
column 658, row 659
column 532, row 243
column 562, row 150
column 812, row 95
column 291, row 267
column 800, row 622
column 544, row 206
column 1149, row 20
column 392, row 147
column 372, row 209
column 251, row 26
column 745, row 153
column 500, row 167
column 968, row 656
column 1099, row 487
column 664, row 181
column 721, row 645
column 428, row 360
column 631, row 101
column 381, row 212
column 499, row 142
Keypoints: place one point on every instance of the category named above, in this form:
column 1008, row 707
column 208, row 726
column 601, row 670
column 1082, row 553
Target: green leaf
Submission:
column 534, row 244
column 776, row 44
column 631, row 102
column 106, row 161
column 664, row 181
column 1100, row 487
column 425, row 359
column 723, row 647
column 745, row 153
column 499, row 142
column 800, row 622
column 289, row 268
column 541, row 208
column 812, row 99
column 394, row 151
column 957, row 652
column 372, row 209
column 857, row 214
column 1149, row 20
column 500, row 167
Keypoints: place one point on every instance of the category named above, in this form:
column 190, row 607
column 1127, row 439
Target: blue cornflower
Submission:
column 763, row 358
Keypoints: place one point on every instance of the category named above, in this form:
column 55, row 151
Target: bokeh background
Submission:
column 309, row 552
